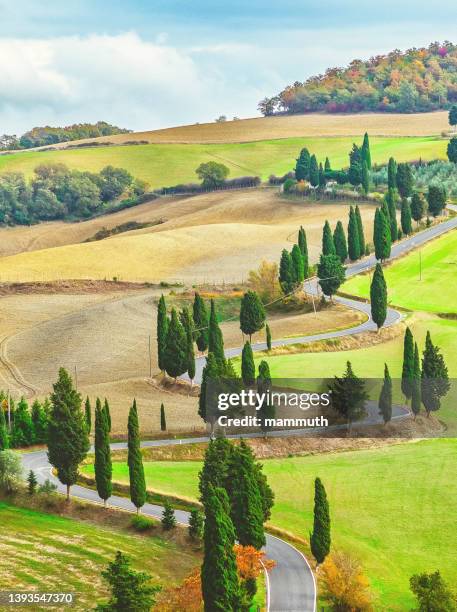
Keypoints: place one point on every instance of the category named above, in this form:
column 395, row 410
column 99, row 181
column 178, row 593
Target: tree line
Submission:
column 56, row 192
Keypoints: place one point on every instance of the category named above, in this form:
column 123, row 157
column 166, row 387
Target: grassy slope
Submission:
column 168, row 164
column 392, row 507
column 439, row 278
column 77, row 552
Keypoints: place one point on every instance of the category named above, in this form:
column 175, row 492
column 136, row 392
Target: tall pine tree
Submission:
column 435, row 378
column 381, row 235
column 189, row 327
column 303, row 246
column 358, row 218
column 219, row 578
column 107, row 414
column 40, row 423
column 385, row 398
column 215, row 338
column 206, row 399
column 68, row 441
column 286, row 273
column 88, row 414
column 366, row 155
column 162, row 331
column 353, row 236
column 135, row 460
column 392, row 174
column 200, row 316
column 406, row 223
column 328, row 246
column 339, row 240
column 175, row 356
column 163, row 420
column 391, row 201
column 313, row 171
column 252, row 312
column 378, row 297
column 297, row 265
column 407, row 374
column 302, row 166
column 320, row 538
column 247, row 365
column 416, row 398
column 102, row 464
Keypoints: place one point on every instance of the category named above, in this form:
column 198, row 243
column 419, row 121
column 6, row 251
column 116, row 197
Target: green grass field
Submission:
column 391, row 507
column 35, row 543
column 434, row 292
column 165, row 164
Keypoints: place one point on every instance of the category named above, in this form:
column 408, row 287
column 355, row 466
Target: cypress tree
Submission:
column 407, row 374
column 361, row 235
column 313, row 171
column 22, row 433
column 297, row 265
column 366, row 155
column 163, row 421
column 286, row 273
column 436, row 198
column 355, row 166
column 381, row 235
column 162, row 331
column 327, row 166
column 417, row 207
column 200, row 316
column 331, row 274
column 406, row 223
column 392, row 174
column 135, row 460
column 365, row 176
column 68, row 441
column 320, row 537
column 247, row 365
column 32, row 483
column 267, row 409
column 303, row 245
column 252, row 312
column 328, row 246
column 175, row 355
column 215, row 338
column 302, row 166
column 168, row 516
column 40, row 423
column 219, row 578
column 378, row 297
column 245, row 499
column 405, row 181
column 322, row 179
column 353, row 236
column 188, row 325
column 102, row 464
column 435, row 378
column 107, row 414
column 4, row 438
column 88, row 414
column 385, row 398
column 390, row 203
column 268, row 336
column 339, row 240
column 196, row 524
column 210, row 375
column 416, row 398
column 215, row 466
column 349, row 396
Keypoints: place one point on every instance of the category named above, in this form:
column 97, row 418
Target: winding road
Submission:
column 291, row 584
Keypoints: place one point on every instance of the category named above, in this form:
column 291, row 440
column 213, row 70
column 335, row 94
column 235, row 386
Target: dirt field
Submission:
column 248, row 130
column 213, row 237
column 104, row 340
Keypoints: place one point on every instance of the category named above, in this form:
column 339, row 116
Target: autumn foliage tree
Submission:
column 345, row 585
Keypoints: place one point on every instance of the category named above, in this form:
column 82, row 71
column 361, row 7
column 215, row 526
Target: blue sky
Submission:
column 147, row 65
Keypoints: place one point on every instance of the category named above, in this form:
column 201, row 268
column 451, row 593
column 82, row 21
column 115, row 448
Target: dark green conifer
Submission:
column 303, row 245
column 313, row 171
column 40, row 423
column 365, row 177
column 200, row 316
column 168, row 516
column 405, row 180
column 286, row 273
column 22, row 433
column 247, row 365
column 215, row 466
column 418, row 207
column 327, row 166
column 360, row 232
column 189, row 327
column 4, row 438
column 267, row 408
column 378, row 297
column 252, row 312
column 107, row 414
column 175, row 356
column 339, row 240
column 328, row 246
column 88, row 414
column 366, row 155
column 268, row 336
column 210, row 376
column 162, row 331
column 302, row 166
column 349, row 396
column 381, row 235
column 135, row 460
column 354, row 251
column 385, row 398
column 196, row 524
column 215, row 338
column 407, row 374
column 68, row 440
column 331, row 274
column 406, row 223
column 163, row 421
column 102, row 464
column 435, row 378
column 390, row 201
column 392, row 174
column 416, row 398
column 320, row 538
column 297, row 265
column 32, row 483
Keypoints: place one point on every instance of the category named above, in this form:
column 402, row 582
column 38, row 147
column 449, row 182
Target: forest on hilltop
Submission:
column 416, row 80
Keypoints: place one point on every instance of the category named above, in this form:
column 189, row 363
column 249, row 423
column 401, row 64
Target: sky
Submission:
column 158, row 63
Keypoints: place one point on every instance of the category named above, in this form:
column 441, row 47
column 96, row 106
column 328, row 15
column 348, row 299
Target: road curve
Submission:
column 292, row 586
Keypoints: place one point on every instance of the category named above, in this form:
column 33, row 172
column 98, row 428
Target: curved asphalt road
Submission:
column 292, row 586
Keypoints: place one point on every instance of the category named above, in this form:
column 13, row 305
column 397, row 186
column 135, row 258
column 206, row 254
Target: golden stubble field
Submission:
column 265, row 128
column 207, row 238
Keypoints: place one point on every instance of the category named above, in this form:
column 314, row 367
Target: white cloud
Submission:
column 121, row 78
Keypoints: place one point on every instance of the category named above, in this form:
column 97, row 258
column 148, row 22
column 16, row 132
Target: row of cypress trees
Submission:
column 294, row 266
column 423, row 381
column 175, row 339
column 336, row 244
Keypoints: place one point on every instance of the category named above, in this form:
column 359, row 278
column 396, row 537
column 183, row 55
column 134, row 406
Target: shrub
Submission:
column 141, row 523
column 288, row 185
column 10, row 471
column 47, row 487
